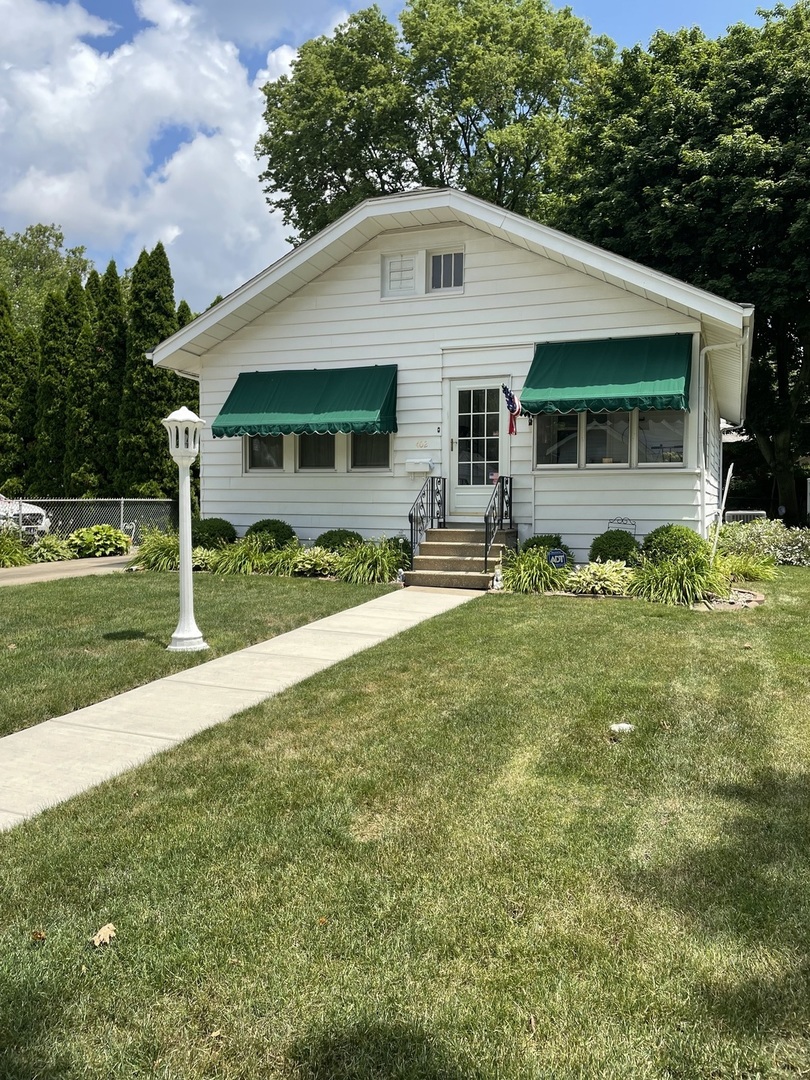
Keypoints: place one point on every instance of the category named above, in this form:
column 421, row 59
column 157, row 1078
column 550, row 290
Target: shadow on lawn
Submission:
column 751, row 884
column 370, row 1050
column 26, row 1018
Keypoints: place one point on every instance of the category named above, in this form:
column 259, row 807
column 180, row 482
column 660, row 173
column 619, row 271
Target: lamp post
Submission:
column 183, row 427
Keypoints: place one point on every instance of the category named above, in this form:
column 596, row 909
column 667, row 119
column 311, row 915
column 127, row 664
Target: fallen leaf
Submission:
column 532, row 1023
column 37, row 935
column 105, row 935
column 12, row 646
column 322, row 921
column 748, row 645
column 216, row 1034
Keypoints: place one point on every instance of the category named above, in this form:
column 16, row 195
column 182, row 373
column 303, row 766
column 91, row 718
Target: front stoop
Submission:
column 454, row 558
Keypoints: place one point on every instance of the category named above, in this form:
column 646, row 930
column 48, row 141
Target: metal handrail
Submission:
column 429, row 507
column 498, row 511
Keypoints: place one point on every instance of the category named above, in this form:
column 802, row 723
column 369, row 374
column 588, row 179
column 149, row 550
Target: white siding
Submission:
column 512, row 298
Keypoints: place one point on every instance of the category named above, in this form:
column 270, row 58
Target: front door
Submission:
column 476, row 445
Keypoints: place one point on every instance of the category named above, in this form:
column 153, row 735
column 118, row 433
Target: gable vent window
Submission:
column 399, row 275
column 447, row 271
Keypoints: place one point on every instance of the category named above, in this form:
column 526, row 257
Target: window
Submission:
column 265, row 451
column 371, row 451
column 660, row 437
column 447, row 271
column 399, row 275
column 641, row 437
column 316, row 451
column 607, row 438
column 557, row 438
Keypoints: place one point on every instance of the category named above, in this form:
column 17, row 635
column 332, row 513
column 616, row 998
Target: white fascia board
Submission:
column 412, row 210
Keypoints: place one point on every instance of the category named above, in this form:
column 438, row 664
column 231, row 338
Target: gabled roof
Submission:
column 724, row 323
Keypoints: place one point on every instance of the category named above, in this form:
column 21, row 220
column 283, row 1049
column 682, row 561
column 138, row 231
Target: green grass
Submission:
column 66, row 644
column 432, row 862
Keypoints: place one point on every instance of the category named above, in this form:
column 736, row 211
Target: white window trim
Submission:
column 632, row 463
column 263, row 470
column 454, row 290
column 375, row 470
column 418, row 275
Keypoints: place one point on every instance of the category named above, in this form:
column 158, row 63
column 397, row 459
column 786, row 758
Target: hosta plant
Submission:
column 611, row 578
column 316, row 562
column 96, row 541
column 51, row 548
column 682, row 579
column 531, row 572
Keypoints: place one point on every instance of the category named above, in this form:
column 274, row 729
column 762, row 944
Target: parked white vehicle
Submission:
column 25, row 516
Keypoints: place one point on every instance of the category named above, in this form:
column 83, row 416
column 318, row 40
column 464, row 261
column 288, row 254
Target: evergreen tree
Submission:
column 110, row 345
column 80, row 477
column 92, row 292
column 28, row 359
column 55, row 349
column 145, row 467
column 184, row 315
column 10, row 444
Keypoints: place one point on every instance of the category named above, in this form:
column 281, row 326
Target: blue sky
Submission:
column 130, row 121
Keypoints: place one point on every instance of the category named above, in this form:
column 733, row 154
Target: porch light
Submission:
column 183, row 427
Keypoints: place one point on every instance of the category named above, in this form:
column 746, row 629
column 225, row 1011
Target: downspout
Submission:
column 739, row 343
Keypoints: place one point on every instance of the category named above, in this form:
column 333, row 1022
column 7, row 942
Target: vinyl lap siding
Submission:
column 511, row 298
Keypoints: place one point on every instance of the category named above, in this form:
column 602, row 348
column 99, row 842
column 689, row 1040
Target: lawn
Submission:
column 66, row 644
column 432, row 861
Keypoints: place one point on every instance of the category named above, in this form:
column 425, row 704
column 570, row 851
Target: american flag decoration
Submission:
column 513, row 408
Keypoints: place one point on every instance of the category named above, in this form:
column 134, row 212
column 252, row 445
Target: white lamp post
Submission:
column 184, row 445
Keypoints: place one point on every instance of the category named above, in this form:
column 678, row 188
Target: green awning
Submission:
column 604, row 376
column 317, row 401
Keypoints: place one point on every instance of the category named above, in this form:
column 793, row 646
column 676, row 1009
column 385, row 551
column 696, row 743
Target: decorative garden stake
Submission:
column 184, row 445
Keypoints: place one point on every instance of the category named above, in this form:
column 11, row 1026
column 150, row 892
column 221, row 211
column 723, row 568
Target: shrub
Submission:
column 764, row 538
column 613, row 545
column 370, row 563
column 609, row 578
column 212, row 532
column 158, row 550
column 51, row 548
column 747, row 567
column 531, row 572
column 670, row 541
column 96, row 541
column 279, row 531
column 337, row 539
column 547, row 541
column 201, row 558
column 682, row 579
column 13, row 551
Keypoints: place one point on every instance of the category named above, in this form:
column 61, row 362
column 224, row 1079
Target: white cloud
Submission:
column 87, row 141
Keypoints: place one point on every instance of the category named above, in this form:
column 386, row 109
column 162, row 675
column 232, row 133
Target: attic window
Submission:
column 399, row 275
column 447, row 271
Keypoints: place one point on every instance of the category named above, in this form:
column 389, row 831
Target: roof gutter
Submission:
column 191, row 375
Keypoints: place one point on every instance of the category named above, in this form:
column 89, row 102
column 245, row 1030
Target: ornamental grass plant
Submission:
column 529, row 571
column 680, row 579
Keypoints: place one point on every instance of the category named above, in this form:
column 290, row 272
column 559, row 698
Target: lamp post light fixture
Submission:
column 183, row 427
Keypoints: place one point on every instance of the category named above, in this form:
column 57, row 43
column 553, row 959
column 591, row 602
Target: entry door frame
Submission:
column 463, row 501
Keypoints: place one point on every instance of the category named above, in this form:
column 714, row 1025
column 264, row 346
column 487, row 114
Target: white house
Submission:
column 373, row 356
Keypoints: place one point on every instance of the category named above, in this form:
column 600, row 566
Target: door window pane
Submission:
column 265, row 452
column 316, row 451
column 557, row 438
column 607, row 438
column 477, row 436
column 660, row 436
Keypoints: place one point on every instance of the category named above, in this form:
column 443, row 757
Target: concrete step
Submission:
column 454, row 550
column 437, row 579
column 450, row 563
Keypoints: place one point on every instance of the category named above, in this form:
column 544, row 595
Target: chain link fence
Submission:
column 68, row 515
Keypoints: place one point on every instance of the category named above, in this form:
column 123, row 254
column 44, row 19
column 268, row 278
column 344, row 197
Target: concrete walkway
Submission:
column 44, row 765
column 27, row 575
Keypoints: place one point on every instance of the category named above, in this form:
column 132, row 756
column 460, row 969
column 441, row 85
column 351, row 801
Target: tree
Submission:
column 149, row 393
column 34, row 263
column 79, row 467
column 475, row 94
column 28, row 361
column 47, row 473
column 184, row 315
column 110, row 344
column 10, row 443
column 694, row 158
